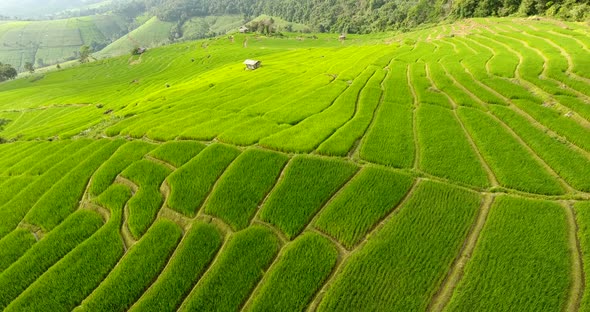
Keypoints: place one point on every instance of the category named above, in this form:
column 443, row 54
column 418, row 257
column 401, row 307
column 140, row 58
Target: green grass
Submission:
column 13, row 186
column 44, row 254
column 123, row 157
column 369, row 197
column 582, row 212
column 521, row 261
column 569, row 163
column 177, row 153
column 390, row 141
column 64, row 197
column 14, row 245
column 146, row 203
column 403, row 264
column 75, row 276
column 42, row 166
column 251, row 132
column 243, row 187
column 18, row 154
column 512, row 164
column 341, row 142
column 54, row 41
column 308, row 133
column 308, row 184
column 444, row 148
column 189, row 262
column 259, row 220
column 136, row 270
column 425, row 91
column 447, row 85
column 235, row 273
column 35, row 157
column 191, row 183
column 15, row 210
column 554, row 120
column 151, row 34
column 299, row 272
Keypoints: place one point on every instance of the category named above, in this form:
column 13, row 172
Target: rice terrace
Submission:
column 445, row 167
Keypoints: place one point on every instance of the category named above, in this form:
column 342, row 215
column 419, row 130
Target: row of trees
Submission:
column 360, row 16
column 266, row 26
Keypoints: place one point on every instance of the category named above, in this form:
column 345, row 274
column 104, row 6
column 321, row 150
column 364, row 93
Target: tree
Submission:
column 84, row 53
column 7, row 72
column 29, row 67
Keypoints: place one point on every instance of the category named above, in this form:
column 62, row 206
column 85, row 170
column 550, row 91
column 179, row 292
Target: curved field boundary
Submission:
column 578, row 284
column 444, row 293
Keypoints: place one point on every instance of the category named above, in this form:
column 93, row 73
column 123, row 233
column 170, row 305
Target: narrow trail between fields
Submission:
column 313, row 219
column 445, row 292
column 545, row 73
column 278, row 182
column 416, row 103
column 530, row 150
column 343, row 258
column 207, row 270
column 356, row 148
column 533, row 88
column 491, row 176
column 352, row 116
column 524, row 114
column 577, row 264
column 164, row 268
column 161, row 162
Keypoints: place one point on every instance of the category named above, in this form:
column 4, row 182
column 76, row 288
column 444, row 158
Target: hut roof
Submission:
column 251, row 62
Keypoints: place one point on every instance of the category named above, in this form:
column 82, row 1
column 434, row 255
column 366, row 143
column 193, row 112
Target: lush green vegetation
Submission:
column 44, row 254
column 308, row 184
column 77, row 274
column 582, row 210
column 367, row 199
column 397, row 269
column 134, row 273
column 445, row 150
column 144, row 205
column 124, row 156
column 65, row 195
column 14, row 245
column 521, row 260
column 44, row 43
column 298, row 274
column 15, row 210
column 390, row 140
column 243, row 187
column 188, row 264
column 177, row 153
column 236, row 271
column 191, row 183
column 514, row 166
column 444, row 168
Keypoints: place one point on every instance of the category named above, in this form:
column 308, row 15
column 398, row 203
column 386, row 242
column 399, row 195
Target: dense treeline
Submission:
column 361, row 16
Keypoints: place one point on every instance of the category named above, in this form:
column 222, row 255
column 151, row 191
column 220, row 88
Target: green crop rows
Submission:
column 442, row 169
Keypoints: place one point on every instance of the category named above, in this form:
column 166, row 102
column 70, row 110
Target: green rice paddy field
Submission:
column 445, row 169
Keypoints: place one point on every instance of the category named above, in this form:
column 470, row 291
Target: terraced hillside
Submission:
column 442, row 169
column 44, row 43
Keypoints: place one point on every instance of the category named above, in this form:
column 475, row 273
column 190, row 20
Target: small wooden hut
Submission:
column 252, row 64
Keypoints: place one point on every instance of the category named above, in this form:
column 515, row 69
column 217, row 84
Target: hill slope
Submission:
column 442, row 169
column 49, row 42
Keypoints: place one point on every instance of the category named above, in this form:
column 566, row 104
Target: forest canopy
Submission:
column 363, row 16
